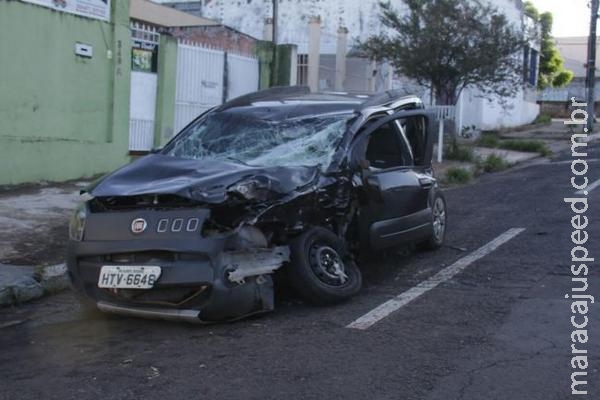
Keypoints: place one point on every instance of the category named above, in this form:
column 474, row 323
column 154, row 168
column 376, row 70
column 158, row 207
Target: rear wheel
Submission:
column 438, row 225
column 321, row 269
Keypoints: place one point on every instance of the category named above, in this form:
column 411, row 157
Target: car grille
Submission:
column 127, row 203
column 143, row 257
column 169, row 297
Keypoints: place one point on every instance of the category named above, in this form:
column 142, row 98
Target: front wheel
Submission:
column 321, row 270
column 438, row 223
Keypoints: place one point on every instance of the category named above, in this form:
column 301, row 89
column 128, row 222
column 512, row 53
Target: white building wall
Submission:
column 361, row 17
column 488, row 114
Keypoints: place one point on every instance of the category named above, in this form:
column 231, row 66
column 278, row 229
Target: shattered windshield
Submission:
column 306, row 141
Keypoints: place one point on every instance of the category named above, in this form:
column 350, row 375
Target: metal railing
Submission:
column 443, row 113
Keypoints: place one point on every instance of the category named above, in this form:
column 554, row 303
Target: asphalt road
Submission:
column 500, row 329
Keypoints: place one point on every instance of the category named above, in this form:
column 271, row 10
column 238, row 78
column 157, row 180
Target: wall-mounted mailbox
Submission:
column 83, row 50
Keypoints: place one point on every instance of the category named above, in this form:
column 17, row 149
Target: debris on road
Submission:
column 19, row 284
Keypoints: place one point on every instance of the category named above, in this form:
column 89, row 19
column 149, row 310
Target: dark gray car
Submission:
column 277, row 181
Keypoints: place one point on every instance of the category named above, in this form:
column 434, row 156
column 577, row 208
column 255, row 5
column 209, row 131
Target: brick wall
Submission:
column 219, row 37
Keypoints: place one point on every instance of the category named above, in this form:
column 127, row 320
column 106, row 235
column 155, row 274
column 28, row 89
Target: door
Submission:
column 199, row 86
column 144, row 85
column 142, row 111
column 242, row 75
column 395, row 158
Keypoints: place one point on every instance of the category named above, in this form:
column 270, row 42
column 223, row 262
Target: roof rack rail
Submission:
column 272, row 94
column 389, row 99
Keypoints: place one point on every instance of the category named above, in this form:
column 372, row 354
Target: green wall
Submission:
column 62, row 116
column 264, row 53
column 165, row 96
column 283, row 65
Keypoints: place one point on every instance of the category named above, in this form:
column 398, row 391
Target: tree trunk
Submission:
column 445, row 95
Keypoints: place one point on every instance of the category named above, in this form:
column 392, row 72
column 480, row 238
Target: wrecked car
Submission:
column 282, row 180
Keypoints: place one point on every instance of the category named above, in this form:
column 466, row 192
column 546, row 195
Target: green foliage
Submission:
column 493, row 163
column 447, row 45
column 552, row 70
column 562, row 78
column 454, row 151
column 543, row 119
column 531, row 11
column 494, row 142
column 458, row 176
column 532, row 146
column 488, row 140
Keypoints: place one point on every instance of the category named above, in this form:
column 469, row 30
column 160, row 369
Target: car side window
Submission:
column 386, row 150
column 415, row 131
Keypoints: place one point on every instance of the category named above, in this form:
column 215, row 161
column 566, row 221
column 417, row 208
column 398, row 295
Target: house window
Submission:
column 533, row 67
column 525, row 64
column 303, row 69
column 530, row 66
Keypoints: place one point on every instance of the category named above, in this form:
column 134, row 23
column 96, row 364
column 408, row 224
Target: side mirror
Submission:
column 156, row 150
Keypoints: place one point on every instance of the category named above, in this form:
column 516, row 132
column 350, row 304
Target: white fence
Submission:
column 201, row 77
column 200, row 74
column 554, row 94
column 142, row 102
column 443, row 113
column 242, row 75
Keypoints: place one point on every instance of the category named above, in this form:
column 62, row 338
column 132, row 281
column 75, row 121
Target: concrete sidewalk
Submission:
column 557, row 135
column 510, row 156
column 34, row 222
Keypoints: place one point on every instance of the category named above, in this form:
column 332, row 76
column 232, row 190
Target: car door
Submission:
column 395, row 178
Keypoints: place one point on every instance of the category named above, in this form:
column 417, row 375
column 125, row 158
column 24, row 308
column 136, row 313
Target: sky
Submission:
column 571, row 17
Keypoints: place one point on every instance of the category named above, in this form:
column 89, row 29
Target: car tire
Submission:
column 439, row 218
column 321, row 270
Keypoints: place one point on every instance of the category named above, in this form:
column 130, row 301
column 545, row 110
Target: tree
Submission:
column 552, row 70
column 447, row 45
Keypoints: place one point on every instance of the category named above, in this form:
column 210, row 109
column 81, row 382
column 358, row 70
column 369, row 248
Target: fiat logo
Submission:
column 138, row 226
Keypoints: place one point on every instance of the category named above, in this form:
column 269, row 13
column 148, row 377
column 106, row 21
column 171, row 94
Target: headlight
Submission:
column 256, row 188
column 246, row 188
column 77, row 224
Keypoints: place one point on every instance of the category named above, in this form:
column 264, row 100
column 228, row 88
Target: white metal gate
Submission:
column 242, row 75
column 144, row 84
column 200, row 74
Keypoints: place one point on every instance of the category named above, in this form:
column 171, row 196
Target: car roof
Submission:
column 297, row 101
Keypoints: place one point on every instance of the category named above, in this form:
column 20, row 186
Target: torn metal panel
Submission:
column 256, row 262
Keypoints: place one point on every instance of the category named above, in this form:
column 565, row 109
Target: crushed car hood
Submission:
column 206, row 181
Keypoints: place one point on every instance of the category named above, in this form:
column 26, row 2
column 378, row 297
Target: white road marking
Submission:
column 387, row 308
column 589, row 189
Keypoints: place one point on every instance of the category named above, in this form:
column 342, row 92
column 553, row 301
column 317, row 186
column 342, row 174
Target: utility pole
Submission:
column 275, row 64
column 591, row 66
column 275, row 20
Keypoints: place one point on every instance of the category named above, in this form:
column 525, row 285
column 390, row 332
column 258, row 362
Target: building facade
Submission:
column 89, row 84
column 574, row 52
column 64, row 94
column 361, row 19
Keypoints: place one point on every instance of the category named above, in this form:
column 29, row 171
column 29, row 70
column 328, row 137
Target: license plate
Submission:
column 128, row 277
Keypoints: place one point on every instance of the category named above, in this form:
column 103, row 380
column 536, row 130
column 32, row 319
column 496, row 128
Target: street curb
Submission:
column 33, row 283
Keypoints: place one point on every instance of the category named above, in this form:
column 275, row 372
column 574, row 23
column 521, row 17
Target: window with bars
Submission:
column 303, row 69
column 530, row 66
